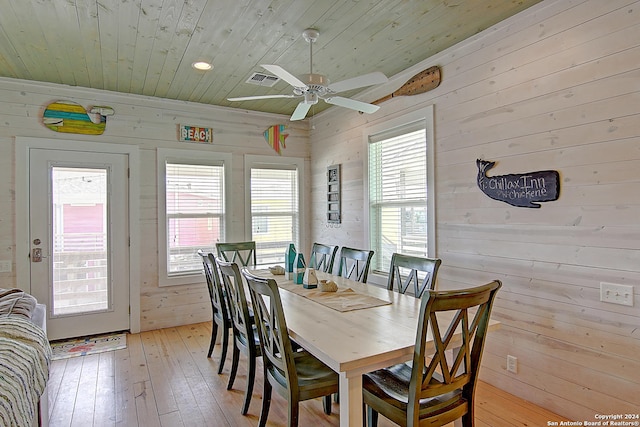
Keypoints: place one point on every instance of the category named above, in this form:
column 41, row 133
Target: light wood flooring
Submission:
column 164, row 378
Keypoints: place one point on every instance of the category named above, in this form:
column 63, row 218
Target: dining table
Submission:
column 357, row 329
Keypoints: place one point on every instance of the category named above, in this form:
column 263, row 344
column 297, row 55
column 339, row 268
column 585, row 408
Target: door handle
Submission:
column 36, row 255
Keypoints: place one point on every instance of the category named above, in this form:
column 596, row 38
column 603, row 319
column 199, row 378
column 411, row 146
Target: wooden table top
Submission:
column 351, row 340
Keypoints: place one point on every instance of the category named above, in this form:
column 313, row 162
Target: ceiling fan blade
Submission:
column 251, row 98
column 301, row 111
column 353, row 104
column 284, row 75
column 370, row 79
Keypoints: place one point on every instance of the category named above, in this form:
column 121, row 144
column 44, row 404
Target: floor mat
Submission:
column 90, row 345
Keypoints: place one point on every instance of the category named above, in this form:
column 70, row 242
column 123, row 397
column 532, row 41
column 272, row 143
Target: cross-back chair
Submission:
column 297, row 376
column 421, row 273
column 354, row 263
column 245, row 338
column 322, row 257
column 219, row 306
column 436, row 391
column 242, row 253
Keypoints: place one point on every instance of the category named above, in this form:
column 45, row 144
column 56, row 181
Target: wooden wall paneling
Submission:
column 579, row 276
column 583, row 368
column 582, row 401
column 577, row 144
column 149, row 123
column 552, row 88
column 527, row 40
column 543, row 72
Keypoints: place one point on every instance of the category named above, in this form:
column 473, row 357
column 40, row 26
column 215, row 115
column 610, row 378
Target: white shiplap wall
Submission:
column 150, row 123
column 555, row 87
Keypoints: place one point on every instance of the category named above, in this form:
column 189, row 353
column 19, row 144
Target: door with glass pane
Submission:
column 79, row 240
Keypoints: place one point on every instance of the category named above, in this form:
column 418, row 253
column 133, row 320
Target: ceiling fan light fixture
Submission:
column 310, row 35
column 202, row 66
column 310, row 98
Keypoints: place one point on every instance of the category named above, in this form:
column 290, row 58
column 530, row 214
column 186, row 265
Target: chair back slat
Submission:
column 442, row 375
column 242, row 253
column 354, row 263
column 277, row 353
column 322, row 257
column 238, row 307
column 421, row 274
column 214, row 285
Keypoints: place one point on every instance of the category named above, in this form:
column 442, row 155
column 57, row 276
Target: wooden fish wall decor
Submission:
column 276, row 138
column 521, row 190
column 70, row 117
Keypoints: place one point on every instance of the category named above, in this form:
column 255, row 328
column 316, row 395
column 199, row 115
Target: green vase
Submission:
column 298, row 266
column 289, row 256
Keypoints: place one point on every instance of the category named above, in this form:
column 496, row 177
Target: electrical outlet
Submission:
column 616, row 294
column 512, row 364
column 5, row 266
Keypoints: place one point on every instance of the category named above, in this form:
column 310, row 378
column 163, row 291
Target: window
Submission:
column 274, row 200
column 400, row 218
column 191, row 211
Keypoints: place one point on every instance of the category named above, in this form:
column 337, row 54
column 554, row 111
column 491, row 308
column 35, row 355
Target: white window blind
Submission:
column 398, row 194
column 194, row 212
column 274, row 211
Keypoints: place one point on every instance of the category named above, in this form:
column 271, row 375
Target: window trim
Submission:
column 426, row 115
column 196, row 157
column 259, row 161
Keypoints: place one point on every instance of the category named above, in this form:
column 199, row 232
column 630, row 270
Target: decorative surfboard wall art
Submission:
column 70, row 117
column 276, row 138
column 523, row 190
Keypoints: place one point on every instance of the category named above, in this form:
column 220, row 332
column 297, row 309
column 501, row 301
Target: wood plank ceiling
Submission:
column 147, row 46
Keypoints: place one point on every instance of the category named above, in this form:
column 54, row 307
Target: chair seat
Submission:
column 256, row 339
column 391, row 385
column 312, row 374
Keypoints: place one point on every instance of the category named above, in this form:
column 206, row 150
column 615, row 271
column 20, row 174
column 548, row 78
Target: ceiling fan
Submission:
column 316, row 86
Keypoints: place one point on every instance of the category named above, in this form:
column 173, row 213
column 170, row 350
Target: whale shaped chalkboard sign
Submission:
column 523, row 190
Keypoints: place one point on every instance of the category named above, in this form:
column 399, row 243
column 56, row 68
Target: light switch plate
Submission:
column 5, row 266
column 616, row 294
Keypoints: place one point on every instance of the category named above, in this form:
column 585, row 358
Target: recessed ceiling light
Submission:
column 201, row 65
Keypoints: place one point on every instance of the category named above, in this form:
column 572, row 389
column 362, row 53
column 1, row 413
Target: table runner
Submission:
column 345, row 299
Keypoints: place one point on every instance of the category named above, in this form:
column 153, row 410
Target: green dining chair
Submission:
column 433, row 389
column 245, row 337
column 322, row 257
column 354, row 263
column 296, row 376
column 242, row 253
column 221, row 319
column 419, row 274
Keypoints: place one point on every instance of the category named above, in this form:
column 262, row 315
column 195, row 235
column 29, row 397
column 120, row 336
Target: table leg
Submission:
column 350, row 400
